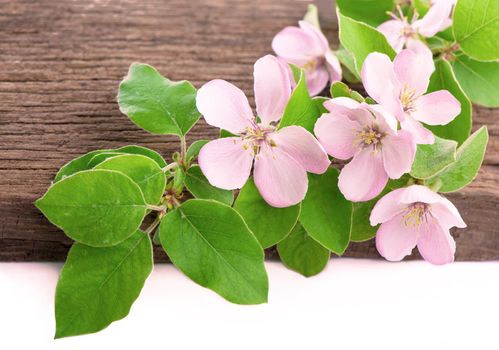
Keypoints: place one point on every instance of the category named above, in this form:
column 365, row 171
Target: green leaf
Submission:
column 476, row 28
column 479, row 80
column 100, row 157
column 422, row 6
column 302, row 253
column 372, row 12
column 347, row 61
column 469, row 158
column 319, row 103
column 144, row 171
column 99, row 208
column 132, row 149
column 194, row 148
column 98, row 286
column 156, row 104
column 301, row 110
column 361, row 226
column 269, row 224
column 199, row 186
column 361, row 39
column 443, row 79
column 340, row 89
column 325, row 213
column 431, row 159
column 225, row 133
column 77, row 164
column 312, row 16
column 212, row 245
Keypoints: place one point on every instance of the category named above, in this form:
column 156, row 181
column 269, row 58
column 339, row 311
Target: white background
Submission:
column 353, row 304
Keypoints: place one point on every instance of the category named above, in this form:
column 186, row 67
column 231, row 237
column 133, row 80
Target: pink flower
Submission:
column 281, row 157
column 307, row 48
column 368, row 134
column 401, row 33
column 412, row 216
column 399, row 86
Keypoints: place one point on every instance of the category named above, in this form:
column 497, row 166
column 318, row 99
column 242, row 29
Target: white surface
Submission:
column 354, row 304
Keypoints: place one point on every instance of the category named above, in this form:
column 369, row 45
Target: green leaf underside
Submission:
column 348, row 61
column 269, row 224
column 469, row 158
column 98, row 286
column 95, row 207
column 156, row 104
column 194, row 148
column 301, row 110
column 431, row 159
column 361, row 39
column 302, row 253
column 199, row 186
column 144, row 171
column 325, row 213
column 211, row 244
column 479, row 80
column 476, row 28
column 340, row 89
column 82, row 162
column 443, row 79
column 372, row 12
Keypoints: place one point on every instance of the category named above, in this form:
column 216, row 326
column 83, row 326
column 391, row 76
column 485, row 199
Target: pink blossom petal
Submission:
column 303, row 147
column 393, row 31
column 436, row 108
column 387, row 207
column 336, row 132
column 225, row 163
column 280, row 179
column 342, row 105
column 435, row 20
column 380, row 82
column 333, row 67
column 395, row 240
column 317, row 80
column 272, row 88
column 224, row 105
column 384, row 117
column 296, row 45
column 420, row 134
column 413, row 70
column 314, row 32
column 447, row 214
column 364, row 177
column 418, row 193
column 418, row 47
column 398, row 154
column 435, row 243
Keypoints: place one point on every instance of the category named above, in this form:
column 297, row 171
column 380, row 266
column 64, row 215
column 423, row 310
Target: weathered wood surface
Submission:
column 61, row 62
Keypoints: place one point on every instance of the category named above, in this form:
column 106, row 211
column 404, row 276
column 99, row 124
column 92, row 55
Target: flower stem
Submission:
column 156, row 207
column 170, row 167
column 183, row 148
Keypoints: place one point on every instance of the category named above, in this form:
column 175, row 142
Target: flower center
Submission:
column 254, row 136
column 313, row 64
column 369, row 137
column 407, row 98
column 417, row 214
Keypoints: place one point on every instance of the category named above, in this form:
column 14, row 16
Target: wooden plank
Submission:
column 61, row 65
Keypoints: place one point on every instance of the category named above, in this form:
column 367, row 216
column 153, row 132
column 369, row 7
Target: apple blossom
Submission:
column 368, row 135
column 412, row 216
column 281, row 157
column 400, row 87
column 306, row 47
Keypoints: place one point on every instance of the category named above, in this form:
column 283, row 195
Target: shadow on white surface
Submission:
column 354, row 304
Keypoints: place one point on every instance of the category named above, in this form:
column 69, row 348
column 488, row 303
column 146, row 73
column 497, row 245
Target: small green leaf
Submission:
column 372, row 12
column 422, row 6
column 77, row 164
column 156, row 104
column 99, row 208
column 194, row 148
column 431, row 159
column 301, row 110
column 100, row 157
column 476, row 28
column 212, row 245
column 302, row 253
column 325, row 213
column 319, row 102
column 361, row 226
column 479, row 80
column 144, row 171
column 132, row 149
column 443, row 79
column 269, row 224
column 225, row 133
column 340, row 89
column 348, row 62
column 199, row 186
column 361, row 39
column 98, row 286
column 469, row 158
